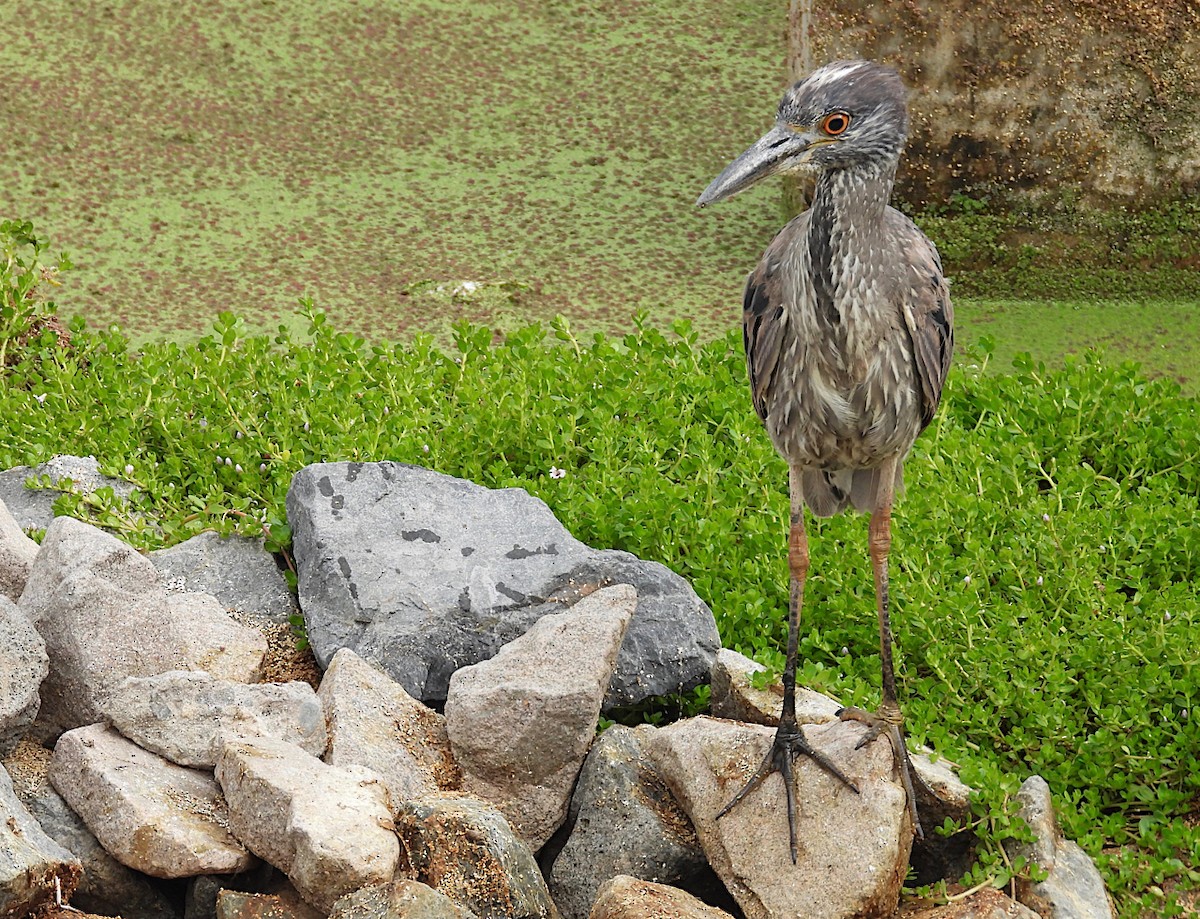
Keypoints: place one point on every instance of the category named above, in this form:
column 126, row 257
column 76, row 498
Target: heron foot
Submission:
column 789, row 743
column 889, row 721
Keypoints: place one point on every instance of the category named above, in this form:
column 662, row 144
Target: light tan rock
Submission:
column 520, row 724
column 329, row 829
column 853, row 848
column 373, row 722
column 234, row 904
column 735, row 697
column 184, row 714
column 101, row 608
column 988, row 903
column 399, row 899
column 624, row 897
column 149, row 814
column 17, row 552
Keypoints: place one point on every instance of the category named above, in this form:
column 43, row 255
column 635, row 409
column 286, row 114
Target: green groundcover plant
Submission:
column 1046, row 553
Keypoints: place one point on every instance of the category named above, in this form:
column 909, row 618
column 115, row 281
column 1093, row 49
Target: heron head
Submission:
column 843, row 115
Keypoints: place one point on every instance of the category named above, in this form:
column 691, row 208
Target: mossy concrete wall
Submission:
column 1092, row 100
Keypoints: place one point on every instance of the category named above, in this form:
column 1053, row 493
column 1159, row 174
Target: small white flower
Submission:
column 1101, row 548
column 203, row 422
column 41, row 397
column 306, row 427
column 845, row 651
column 238, row 435
column 262, row 467
column 228, row 461
column 556, row 473
column 424, row 448
column 220, row 461
column 237, row 467
column 1166, row 617
column 1039, row 580
column 1045, row 518
column 967, row 579
column 129, row 468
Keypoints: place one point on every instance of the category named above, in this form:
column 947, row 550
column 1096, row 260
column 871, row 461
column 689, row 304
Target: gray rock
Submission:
column 236, row 570
column 151, row 815
column 520, row 723
column 623, row 821
column 327, row 828
column 466, row 849
column 853, row 848
column 373, row 722
column 734, row 696
column 17, row 552
column 33, row 508
column 103, row 613
column 183, row 714
column 1073, row 888
column 426, row 573
column 31, row 863
column 399, row 899
column 23, row 667
column 625, row 897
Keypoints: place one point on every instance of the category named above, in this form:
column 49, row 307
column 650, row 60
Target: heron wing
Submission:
column 763, row 316
column 929, row 318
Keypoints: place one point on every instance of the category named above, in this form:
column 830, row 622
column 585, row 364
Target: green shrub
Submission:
column 1046, row 552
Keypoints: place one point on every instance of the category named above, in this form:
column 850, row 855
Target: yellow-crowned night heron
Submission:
column 848, row 332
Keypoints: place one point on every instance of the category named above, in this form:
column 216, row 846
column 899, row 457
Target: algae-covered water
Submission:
column 406, row 163
column 239, row 155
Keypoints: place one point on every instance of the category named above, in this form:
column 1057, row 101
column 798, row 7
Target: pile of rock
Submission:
column 155, row 773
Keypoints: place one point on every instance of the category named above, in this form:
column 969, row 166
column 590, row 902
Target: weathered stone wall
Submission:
column 1096, row 100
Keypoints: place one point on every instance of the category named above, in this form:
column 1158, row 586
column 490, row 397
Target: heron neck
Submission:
column 853, row 198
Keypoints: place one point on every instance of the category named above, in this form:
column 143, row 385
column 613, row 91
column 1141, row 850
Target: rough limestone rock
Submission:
column 623, row 821
column 1073, row 888
column 238, row 571
column 373, row 722
column 399, row 899
column 520, row 724
column 17, row 552
column 23, row 667
column 30, row 861
column 151, row 815
column 102, row 610
column 853, row 848
column 107, row 887
column 988, row 903
column 184, row 714
column 465, row 848
column 327, row 828
column 734, row 696
column 625, row 897
column 426, row 573
column 33, row 508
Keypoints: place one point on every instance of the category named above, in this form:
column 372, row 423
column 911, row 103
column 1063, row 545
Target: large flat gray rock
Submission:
column 425, row 573
column 102, row 610
column 23, row 667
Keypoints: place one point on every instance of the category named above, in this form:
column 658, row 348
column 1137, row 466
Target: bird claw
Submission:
column 889, row 722
column 787, row 744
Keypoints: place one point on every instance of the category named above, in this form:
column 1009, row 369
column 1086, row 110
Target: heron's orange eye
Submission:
column 835, row 123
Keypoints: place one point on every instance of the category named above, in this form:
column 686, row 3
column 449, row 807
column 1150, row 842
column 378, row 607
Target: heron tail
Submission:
column 830, row 491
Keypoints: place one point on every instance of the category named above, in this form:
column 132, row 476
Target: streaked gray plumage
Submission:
column 848, row 331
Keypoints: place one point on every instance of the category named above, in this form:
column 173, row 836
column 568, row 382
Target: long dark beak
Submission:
column 772, row 152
